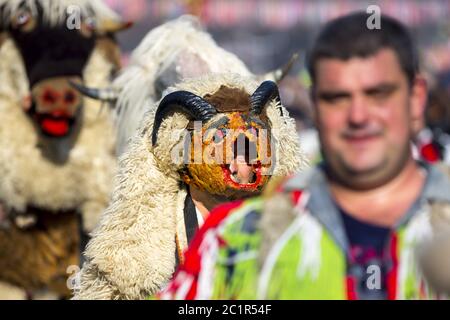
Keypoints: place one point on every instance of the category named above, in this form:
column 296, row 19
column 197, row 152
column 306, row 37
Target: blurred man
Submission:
column 351, row 227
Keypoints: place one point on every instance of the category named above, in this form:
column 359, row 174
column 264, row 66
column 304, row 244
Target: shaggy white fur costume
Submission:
column 132, row 252
column 26, row 177
column 84, row 182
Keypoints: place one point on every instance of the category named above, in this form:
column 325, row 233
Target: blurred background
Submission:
column 265, row 33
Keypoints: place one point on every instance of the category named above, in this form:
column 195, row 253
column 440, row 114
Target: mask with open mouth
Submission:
column 54, row 106
column 235, row 156
column 54, row 51
column 245, row 170
column 230, row 154
column 56, row 112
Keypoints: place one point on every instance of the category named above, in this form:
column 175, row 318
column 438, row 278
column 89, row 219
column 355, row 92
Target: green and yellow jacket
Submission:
column 292, row 244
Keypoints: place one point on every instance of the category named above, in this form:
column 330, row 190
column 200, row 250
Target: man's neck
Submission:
column 204, row 201
column 384, row 205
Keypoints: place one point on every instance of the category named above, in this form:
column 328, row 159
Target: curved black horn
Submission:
column 107, row 94
column 267, row 91
column 194, row 106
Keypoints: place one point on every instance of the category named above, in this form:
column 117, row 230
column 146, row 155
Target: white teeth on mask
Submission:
column 234, row 177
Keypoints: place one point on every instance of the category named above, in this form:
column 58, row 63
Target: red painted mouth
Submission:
column 55, row 127
column 56, row 124
column 231, row 179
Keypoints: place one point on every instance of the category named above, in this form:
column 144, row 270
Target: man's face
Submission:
column 365, row 112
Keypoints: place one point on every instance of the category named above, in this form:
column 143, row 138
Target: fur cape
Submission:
column 132, row 252
column 81, row 185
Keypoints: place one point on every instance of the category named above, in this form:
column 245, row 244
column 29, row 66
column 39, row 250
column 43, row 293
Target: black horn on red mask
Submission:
column 190, row 104
column 267, row 91
column 105, row 94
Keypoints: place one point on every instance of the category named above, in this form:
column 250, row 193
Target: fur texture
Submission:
column 174, row 51
column 54, row 12
column 132, row 252
column 28, row 178
column 82, row 185
column 435, row 254
column 272, row 226
column 44, row 251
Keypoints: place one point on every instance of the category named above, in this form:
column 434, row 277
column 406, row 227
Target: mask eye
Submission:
column 88, row 27
column 23, row 21
column 219, row 135
column 91, row 24
column 23, row 18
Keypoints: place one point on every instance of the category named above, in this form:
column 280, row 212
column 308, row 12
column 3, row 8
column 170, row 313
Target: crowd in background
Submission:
column 265, row 33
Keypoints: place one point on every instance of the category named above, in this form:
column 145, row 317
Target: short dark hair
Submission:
column 348, row 36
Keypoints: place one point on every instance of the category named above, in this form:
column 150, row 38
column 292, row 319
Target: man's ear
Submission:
column 419, row 94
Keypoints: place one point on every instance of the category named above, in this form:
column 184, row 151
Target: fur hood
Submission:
column 132, row 251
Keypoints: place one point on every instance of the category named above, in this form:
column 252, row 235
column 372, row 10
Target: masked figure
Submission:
column 208, row 140
column 57, row 149
column 176, row 50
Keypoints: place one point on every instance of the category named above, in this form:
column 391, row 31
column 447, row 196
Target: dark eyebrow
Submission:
column 385, row 88
column 330, row 95
column 381, row 88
